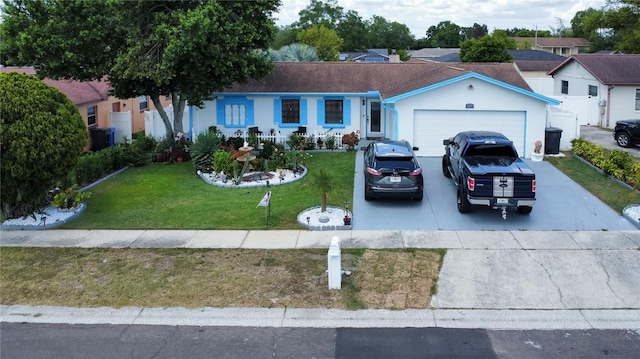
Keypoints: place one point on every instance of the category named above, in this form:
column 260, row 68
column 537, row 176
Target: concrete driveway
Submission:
column 561, row 204
column 605, row 139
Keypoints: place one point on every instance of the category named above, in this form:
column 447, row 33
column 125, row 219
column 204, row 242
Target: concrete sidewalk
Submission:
column 489, row 279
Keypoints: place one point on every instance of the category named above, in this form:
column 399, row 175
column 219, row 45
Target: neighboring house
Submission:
column 423, row 103
column 372, row 55
column 432, row 53
column 613, row 79
column 96, row 107
column 565, row 46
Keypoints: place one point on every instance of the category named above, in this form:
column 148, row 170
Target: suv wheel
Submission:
column 367, row 196
column 445, row 167
column 623, row 139
column 463, row 202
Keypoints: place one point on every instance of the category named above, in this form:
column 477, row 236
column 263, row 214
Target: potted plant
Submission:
column 320, row 142
column 537, row 152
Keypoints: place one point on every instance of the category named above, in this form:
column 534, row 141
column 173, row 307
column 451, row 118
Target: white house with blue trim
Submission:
column 423, row 103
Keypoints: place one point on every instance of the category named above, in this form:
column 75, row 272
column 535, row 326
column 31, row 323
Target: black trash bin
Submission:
column 99, row 138
column 552, row 137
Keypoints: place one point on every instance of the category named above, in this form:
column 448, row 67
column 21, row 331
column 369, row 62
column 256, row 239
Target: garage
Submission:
column 430, row 127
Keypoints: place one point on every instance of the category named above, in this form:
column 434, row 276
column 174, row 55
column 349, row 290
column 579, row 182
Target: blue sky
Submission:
column 419, row 15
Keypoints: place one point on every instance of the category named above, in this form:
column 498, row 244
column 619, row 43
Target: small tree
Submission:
column 324, row 184
column 41, row 139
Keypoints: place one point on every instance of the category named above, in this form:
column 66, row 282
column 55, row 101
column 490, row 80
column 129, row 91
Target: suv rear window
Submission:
column 391, row 163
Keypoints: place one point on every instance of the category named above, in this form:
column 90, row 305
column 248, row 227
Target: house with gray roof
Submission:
column 423, row 102
column 613, row 79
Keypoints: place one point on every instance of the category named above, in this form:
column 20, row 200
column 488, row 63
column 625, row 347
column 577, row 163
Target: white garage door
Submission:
column 430, row 127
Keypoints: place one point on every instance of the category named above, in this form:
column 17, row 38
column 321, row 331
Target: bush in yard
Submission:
column 616, row 163
column 223, row 162
column 207, row 143
column 41, row 139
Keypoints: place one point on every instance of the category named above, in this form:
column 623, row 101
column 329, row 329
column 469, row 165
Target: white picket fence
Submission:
column 282, row 137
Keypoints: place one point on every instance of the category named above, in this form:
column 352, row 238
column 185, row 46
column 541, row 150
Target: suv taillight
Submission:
column 471, row 183
column 416, row 172
column 533, row 186
column 373, row 171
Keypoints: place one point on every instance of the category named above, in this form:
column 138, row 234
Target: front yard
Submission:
column 172, row 196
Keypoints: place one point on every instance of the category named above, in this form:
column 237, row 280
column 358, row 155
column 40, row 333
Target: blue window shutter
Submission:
column 220, row 112
column 250, row 113
column 303, row 112
column 346, row 112
column 320, row 119
column 277, row 111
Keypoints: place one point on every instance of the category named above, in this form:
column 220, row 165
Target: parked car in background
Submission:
column 627, row 133
column 392, row 170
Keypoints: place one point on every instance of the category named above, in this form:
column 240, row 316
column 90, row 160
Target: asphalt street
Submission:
column 52, row 341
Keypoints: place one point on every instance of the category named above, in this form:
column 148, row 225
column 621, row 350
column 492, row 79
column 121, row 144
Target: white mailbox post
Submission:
column 333, row 260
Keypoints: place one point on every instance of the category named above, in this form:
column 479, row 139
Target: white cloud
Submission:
column 419, row 15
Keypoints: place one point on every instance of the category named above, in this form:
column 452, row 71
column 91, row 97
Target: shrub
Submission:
column 41, row 139
column 223, row 162
column 69, row 198
column 350, row 140
column 207, row 143
column 616, row 163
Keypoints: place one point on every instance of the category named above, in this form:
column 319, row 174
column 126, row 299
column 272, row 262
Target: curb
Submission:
column 494, row 319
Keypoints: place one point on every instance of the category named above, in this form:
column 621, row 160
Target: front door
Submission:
column 374, row 123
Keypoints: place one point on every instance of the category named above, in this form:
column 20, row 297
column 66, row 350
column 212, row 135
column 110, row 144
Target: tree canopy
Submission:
column 183, row 49
column 491, row 48
column 446, row 34
column 41, row 138
column 326, row 41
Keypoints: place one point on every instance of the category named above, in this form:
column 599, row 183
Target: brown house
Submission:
column 565, row 46
column 95, row 104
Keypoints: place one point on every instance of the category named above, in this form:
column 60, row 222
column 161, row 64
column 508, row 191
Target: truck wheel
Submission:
column 524, row 209
column 463, row 202
column 445, row 167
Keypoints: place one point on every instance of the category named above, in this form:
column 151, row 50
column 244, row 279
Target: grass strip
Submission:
column 195, row 278
column 600, row 185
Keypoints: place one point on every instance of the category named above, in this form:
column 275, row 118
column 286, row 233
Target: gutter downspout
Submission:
column 608, row 102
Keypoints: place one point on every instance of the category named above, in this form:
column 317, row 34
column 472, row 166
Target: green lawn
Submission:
column 172, row 196
column 609, row 191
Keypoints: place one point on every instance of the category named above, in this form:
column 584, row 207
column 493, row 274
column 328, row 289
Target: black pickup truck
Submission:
column 488, row 172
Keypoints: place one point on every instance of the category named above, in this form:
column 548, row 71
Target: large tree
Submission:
column 183, row 49
column 446, row 34
column 491, row 48
column 355, row 32
column 389, row 35
column 41, row 138
column 320, row 12
column 326, row 41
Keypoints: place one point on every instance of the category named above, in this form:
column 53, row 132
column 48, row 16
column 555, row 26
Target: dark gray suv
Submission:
column 391, row 170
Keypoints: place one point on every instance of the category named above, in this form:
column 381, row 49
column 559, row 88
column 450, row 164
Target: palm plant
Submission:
column 295, row 53
column 323, row 183
column 207, row 143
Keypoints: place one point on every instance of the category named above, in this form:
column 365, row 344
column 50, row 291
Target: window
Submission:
column 593, row 90
column 291, row 111
column 143, row 103
column 565, row 87
column 92, row 118
column 234, row 111
column 637, row 99
column 333, row 112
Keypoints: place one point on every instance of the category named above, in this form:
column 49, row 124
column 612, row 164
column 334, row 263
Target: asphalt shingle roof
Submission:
column 615, row 69
column 391, row 79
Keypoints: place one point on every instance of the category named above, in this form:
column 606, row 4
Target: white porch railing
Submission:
column 282, row 137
